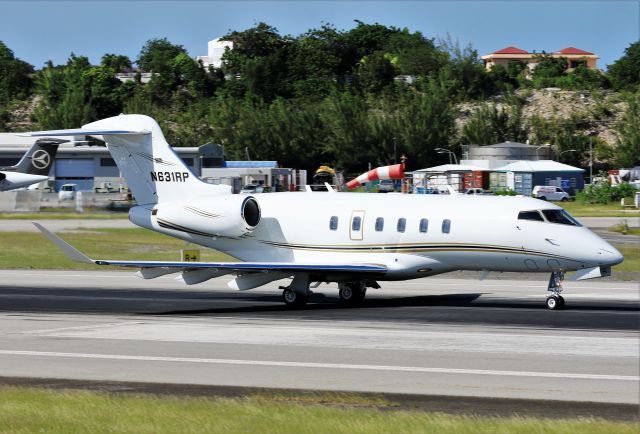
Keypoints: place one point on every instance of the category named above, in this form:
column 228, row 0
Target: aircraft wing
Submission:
column 228, row 267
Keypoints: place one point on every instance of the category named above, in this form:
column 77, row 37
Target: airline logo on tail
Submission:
column 40, row 159
column 169, row 176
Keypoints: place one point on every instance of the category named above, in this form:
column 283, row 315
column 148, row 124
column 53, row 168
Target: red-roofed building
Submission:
column 577, row 57
column 574, row 56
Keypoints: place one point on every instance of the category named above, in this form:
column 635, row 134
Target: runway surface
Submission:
column 436, row 336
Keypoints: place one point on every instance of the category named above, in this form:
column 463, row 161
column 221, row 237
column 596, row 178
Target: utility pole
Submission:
column 590, row 160
column 395, row 154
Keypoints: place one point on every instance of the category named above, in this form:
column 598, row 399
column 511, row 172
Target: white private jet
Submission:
column 354, row 239
column 33, row 167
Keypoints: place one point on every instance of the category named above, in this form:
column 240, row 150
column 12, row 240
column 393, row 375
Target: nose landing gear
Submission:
column 555, row 301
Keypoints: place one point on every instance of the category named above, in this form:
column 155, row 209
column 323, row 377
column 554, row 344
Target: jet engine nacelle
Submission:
column 231, row 215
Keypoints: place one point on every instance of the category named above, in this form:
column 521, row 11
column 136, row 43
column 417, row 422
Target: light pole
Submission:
column 568, row 150
column 446, row 151
column 546, row 145
column 590, row 160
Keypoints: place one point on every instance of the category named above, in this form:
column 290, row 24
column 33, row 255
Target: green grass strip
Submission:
column 24, row 410
column 33, row 250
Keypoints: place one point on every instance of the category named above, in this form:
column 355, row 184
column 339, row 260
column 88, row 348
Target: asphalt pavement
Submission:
column 429, row 337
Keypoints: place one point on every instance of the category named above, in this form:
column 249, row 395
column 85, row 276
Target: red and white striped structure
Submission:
column 387, row 172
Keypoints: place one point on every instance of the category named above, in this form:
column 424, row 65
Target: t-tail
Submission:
column 39, row 158
column 151, row 168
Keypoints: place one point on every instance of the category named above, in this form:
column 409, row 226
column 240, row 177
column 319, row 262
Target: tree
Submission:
column 76, row 93
column 490, row 125
column 156, row 55
column 116, row 62
column 258, row 62
column 628, row 143
column 15, row 76
column 464, row 76
column 624, row 73
column 547, row 70
column 375, row 72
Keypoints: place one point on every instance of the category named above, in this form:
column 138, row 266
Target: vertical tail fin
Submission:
column 39, row 158
column 152, row 169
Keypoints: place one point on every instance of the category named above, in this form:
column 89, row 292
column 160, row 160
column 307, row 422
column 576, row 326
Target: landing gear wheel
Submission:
column 561, row 300
column 555, row 302
column 294, row 299
column 352, row 293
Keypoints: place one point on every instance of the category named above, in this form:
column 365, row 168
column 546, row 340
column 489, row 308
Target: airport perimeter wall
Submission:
column 24, row 200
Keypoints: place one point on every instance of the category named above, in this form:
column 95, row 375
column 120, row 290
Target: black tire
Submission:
column 564, row 199
column 294, row 299
column 543, row 198
column 352, row 294
column 561, row 300
column 553, row 302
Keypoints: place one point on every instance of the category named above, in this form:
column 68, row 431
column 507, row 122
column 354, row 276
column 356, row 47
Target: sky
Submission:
column 38, row 31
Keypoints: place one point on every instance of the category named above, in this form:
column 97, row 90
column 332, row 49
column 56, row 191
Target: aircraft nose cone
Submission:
column 610, row 255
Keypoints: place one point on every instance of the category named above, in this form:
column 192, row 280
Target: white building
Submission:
column 216, row 49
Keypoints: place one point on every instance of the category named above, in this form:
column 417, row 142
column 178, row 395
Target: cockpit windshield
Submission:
column 560, row 216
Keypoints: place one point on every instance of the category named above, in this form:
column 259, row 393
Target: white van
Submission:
column 550, row 192
column 67, row 192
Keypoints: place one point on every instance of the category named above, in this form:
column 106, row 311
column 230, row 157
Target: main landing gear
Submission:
column 555, row 301
column 297, row 294
column 352, row 292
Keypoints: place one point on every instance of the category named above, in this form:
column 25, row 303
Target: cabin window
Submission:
column 379, row 224
column 560, row 216
column 446, row 226
column 333, row 223
column 530, row 215
column 402, row 224
column 424, row 226
column 356, row 223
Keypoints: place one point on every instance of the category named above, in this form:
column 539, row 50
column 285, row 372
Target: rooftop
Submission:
column 573, row 50
column 511, row 50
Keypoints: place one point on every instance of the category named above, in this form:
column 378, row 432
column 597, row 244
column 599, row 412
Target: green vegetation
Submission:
column 580, row 209
column 631, row 259
column 33, row 250
column 32, row 410
column 625, row 72
column 624, row 229
column 63, row 215
column 341, row 97
column 603, row 193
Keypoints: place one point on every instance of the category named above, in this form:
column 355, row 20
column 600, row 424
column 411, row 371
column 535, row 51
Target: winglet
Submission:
column 73, row 253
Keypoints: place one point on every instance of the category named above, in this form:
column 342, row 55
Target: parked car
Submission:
column 252, row 189
column 67, row 192
column 550, row 192
column 476, row 190
column 386, row 186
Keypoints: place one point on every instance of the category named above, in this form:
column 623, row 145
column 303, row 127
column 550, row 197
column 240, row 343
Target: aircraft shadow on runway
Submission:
column 167, row 302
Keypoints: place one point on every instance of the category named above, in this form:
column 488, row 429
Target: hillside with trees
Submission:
column 341, row 97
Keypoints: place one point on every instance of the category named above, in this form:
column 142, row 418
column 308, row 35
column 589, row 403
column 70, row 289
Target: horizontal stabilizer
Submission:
column 81, row 132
